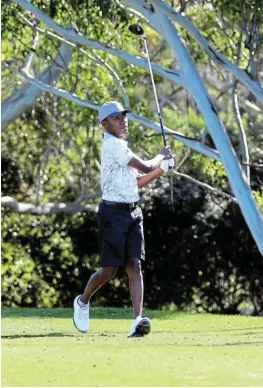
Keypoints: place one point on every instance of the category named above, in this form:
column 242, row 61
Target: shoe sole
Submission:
column 142, row 329
column 78, row 329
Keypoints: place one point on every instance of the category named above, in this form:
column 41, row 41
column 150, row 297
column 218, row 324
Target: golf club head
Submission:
column 136, row 29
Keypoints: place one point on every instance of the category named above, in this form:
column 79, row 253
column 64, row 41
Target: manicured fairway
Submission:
column 41, row 347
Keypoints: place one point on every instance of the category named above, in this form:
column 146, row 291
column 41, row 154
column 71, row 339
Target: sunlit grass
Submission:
column 41, row 347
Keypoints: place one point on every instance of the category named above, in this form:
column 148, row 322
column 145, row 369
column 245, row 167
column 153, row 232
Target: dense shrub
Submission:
column 200, row 256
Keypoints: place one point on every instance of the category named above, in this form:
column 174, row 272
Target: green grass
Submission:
column 41, row 347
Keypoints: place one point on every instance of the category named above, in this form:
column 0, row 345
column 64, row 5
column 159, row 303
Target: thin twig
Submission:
column 29, row 58
column 184, row 158
column 238, row 119
column 205, row 185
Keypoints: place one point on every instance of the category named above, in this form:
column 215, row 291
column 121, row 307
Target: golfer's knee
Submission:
column 133, row 266
column 108, row 273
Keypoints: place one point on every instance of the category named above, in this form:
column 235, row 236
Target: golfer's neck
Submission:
column 114, row 134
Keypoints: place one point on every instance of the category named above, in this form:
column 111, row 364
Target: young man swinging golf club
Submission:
column 120, row 218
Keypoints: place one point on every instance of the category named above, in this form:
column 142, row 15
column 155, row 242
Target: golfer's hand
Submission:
column 171, row 163
column 166, row 152
column 167, row 164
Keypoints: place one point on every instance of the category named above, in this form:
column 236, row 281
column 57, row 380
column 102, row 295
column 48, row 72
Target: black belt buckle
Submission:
column 129, row 206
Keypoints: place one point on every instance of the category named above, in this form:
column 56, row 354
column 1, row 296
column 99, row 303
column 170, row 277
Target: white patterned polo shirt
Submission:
column 118, row 180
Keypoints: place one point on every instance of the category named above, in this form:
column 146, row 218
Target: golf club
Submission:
column 138, row 30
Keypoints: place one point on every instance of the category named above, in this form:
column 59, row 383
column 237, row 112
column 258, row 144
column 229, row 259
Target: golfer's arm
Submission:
column 151, row 176
column 139, row 164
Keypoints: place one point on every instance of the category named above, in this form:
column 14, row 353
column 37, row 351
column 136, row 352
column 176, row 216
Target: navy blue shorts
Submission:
column 120, row 234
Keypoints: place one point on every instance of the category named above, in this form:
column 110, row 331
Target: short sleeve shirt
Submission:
column 118, row 180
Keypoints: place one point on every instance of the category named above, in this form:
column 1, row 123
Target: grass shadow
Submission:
column 77, row 336
column 210, row 345
column 243, row 329
column 93, row 336
column 15, row 336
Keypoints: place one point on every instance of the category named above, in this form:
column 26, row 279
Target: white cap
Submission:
column 110, row 107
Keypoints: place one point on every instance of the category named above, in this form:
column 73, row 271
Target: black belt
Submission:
column 121, row 205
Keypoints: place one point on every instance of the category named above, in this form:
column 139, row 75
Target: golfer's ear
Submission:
column 104, row 123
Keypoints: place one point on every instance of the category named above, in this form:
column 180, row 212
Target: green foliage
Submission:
column 22, row 284
column 36, row 269
column 212, row 169
column 52, row 154
column 259, row 198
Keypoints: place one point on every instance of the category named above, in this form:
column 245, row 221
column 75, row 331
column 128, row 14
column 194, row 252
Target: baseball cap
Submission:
column 111, row 107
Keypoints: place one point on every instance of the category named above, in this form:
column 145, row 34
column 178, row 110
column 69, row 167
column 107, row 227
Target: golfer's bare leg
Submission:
column 133, row 269
column 97, row 280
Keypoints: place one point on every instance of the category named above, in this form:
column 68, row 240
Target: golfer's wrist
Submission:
column 157, row 161
column 160, row 171
column 160, row 157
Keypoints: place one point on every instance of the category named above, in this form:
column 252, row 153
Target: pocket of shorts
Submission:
column 139, row 213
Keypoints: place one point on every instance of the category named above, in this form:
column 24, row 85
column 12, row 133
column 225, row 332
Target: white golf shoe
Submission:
column 140, row 327
column 81, row 315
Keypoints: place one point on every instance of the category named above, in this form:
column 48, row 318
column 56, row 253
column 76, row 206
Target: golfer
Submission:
column 120, row 219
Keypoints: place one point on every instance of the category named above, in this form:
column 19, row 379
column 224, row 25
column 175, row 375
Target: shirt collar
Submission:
column 107, row 135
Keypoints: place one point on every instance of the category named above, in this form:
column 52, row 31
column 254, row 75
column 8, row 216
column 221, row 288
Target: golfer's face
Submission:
column 117, row 124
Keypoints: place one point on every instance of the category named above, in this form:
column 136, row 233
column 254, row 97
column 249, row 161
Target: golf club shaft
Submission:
column 154, row 90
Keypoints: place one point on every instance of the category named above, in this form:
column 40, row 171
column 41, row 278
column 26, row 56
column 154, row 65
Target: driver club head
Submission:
column 136, row 29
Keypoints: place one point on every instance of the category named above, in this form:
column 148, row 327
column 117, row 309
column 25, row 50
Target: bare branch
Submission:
column 256, row 165
column 241, row 133
column 183, row 160
column 94, row 58
column 132, row 12
column 192, row 143
column 205, row 185
column 238, row 73
column 114, row 75
column 44, row 157
column 195, row 86
column 195, row 144
column 226, row 90
column 60, row 92
column 58, row 151
column 250, row 40
column 252, row 106
column 48, row 208
column 29, row 58
column 70, row 37
column 24, row 98
column 238, row 119
column 43, row 161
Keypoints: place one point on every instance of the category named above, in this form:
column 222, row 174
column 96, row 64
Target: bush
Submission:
column 199, row 257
